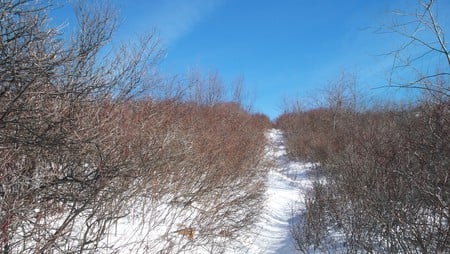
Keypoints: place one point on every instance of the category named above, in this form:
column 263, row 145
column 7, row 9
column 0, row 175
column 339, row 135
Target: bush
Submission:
column 84, row 148
column 387, row 185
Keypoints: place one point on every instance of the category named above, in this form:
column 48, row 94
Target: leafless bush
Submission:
column 387, row 189
column 84, row 150
column 316, row 134
column 67, row 160
column 312, row 230
column 198, row 172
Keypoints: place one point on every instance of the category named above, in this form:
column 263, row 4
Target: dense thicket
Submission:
column 386, row 177
column 84, row 146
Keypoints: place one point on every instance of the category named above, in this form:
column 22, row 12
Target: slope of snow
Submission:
column 286, row 181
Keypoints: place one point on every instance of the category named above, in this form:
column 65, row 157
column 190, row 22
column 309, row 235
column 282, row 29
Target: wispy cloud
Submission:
column 176, row 18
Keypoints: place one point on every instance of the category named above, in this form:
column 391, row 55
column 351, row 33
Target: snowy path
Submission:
column 285, row 182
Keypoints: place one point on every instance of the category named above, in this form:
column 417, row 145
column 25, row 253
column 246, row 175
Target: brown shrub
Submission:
column 81, row 147
column 388, row 181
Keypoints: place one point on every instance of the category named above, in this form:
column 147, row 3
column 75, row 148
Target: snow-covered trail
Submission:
column 286, row 181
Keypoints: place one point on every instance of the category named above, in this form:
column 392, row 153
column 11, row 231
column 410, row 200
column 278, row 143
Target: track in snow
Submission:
column 286, row 181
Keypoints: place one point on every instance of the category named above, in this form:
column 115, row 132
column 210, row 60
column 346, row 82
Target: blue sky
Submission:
column 283, row 49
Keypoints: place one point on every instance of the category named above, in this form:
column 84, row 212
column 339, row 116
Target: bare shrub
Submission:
column 197, row 166
column 312, row 231
column 388, row 185
column 63, row 170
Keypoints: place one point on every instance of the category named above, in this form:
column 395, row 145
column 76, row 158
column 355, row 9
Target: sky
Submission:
column 283, row 49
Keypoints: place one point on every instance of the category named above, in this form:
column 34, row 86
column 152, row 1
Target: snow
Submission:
column 286, row 181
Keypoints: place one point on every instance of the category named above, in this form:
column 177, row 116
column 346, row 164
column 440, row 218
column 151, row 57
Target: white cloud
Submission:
column 176, row 18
